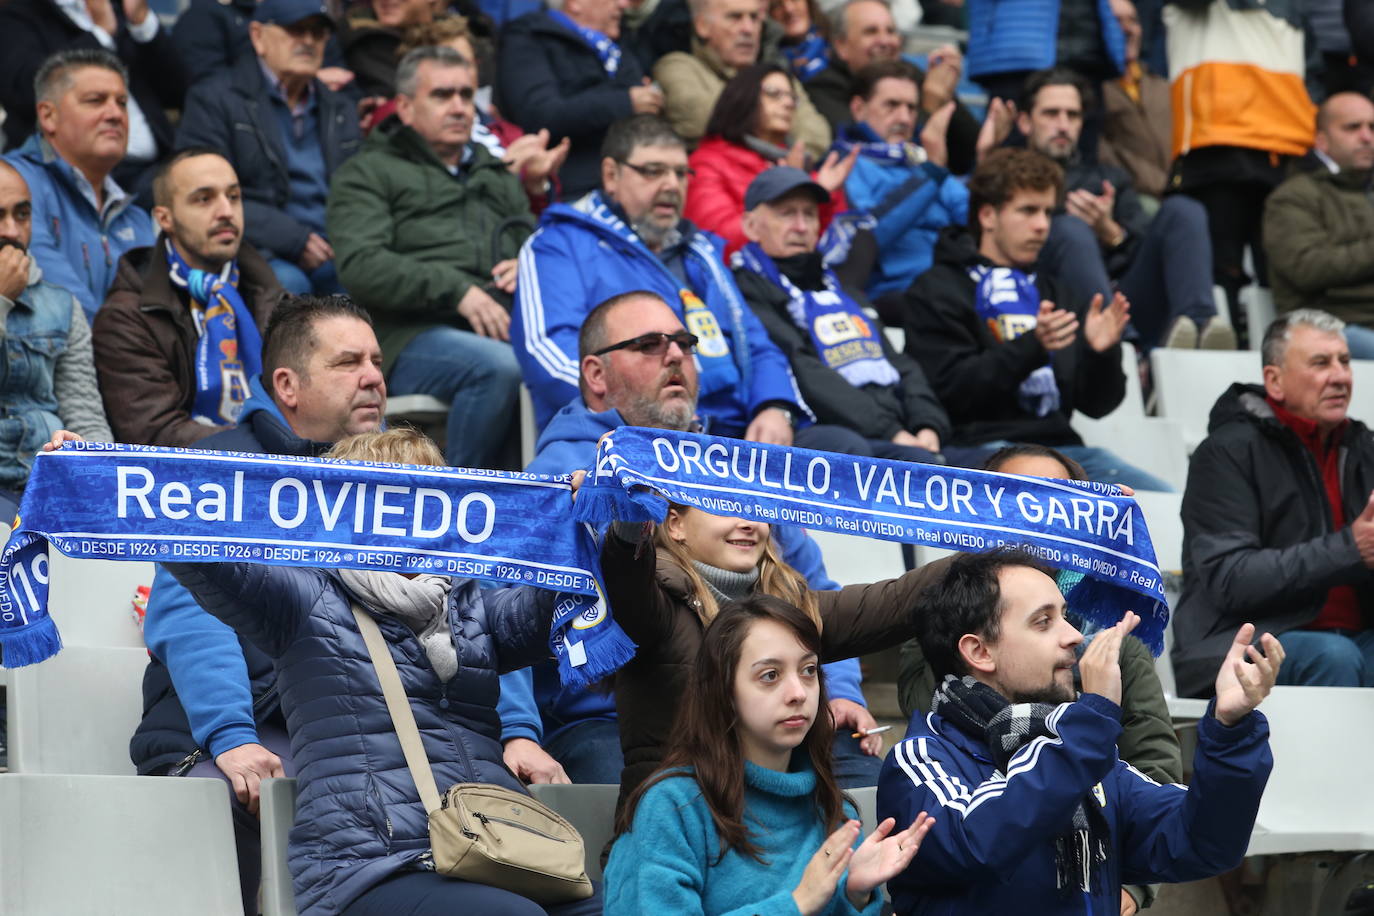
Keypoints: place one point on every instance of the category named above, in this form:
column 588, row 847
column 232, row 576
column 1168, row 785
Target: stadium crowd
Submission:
column 245, row 224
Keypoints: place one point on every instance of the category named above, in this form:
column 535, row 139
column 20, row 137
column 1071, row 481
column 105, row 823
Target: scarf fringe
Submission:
column 31, row 644
column 613, row 651
column 603, row 505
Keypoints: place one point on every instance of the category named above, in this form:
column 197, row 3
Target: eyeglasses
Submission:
column 655, row 171
column 655, row 344
column 779, row 95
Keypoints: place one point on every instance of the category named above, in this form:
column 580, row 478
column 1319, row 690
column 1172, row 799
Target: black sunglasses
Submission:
column 655, row 344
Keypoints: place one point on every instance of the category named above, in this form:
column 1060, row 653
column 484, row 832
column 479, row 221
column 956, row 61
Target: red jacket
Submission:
column 715, row 195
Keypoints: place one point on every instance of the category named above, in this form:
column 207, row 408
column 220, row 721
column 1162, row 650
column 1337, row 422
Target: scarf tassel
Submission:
column 603, row 505
column 30, row 644
column 613, row 651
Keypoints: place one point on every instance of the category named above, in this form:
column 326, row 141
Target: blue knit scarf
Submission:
column 809, row 56
column 1080, row 526
column 1008, row 302
column 229, row 351
column 607, row 51
column 129, row 502
column 843, row 338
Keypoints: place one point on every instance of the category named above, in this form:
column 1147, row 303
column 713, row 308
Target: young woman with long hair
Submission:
column 745, row 816
column 665, row 588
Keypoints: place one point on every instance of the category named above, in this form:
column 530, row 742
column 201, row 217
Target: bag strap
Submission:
column 402, row 717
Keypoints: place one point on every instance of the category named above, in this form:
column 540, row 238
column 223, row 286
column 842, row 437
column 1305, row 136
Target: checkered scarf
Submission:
column 981, row 712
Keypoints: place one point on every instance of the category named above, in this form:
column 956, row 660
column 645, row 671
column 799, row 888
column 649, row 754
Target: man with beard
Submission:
column 631, row 236
column 1104, row 237
column 555, row 735
column 48, row 377
column 210, row 706
column 178, row 339
column 1034, row 811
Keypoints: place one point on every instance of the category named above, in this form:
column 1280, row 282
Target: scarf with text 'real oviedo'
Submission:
column 129, row 502
column 1077, row 526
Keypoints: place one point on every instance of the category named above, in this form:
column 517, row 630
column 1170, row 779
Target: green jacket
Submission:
column 1147, row 743
column 1319, row 236
column 410, row 239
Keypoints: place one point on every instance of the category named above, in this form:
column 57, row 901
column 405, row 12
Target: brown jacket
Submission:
column 1319, row 235
column 653, row 602
column 145, row 346
column 1139, row 138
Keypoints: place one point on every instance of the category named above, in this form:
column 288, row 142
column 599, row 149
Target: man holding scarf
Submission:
column 1009, row 364
column 1034, row 811
column 178, row 340
column 847, row 371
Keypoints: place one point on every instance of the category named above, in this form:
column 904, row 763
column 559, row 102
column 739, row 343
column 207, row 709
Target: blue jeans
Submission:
column 322, row 281
column 1106, row 466
column 478, row 376
column 1317, row 658
column 1360, row 339
column 427, row 893
column 1170, row 274
column 852, row 767
column 589, row 752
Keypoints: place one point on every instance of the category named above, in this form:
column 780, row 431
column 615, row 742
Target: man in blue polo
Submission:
column 631, row 236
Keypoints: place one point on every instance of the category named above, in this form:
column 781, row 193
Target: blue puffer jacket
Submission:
column 77, row 247
column 582, row 255
column 1009, row 36
column 533, row 703
column 359, row 817
column 911, row 203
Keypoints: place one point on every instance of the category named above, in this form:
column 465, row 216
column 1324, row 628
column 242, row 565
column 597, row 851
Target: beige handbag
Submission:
column 481, row 832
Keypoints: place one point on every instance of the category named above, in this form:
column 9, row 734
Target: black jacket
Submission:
column 1127, row 211
column 163, row 737
column 873, row 411
column 232, row 112
column 668, row 28
column 976, row 376
column 1258, row 539
column 212, row 36
column 832, row 88
column 550, row 78
column 34, row 29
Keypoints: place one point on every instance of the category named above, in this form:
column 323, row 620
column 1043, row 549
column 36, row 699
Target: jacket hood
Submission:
column 956, row 247
column 595, row 212
column 1243, row 403
column 577, row 423
column 262, row 415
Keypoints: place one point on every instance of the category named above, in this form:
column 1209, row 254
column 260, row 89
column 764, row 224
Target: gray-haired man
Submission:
column 1278, row 517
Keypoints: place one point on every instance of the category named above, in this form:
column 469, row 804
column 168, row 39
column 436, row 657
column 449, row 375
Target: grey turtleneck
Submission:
column 726, row 585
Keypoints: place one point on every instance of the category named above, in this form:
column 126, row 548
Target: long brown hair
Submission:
column 706, row 735
column 776, row 578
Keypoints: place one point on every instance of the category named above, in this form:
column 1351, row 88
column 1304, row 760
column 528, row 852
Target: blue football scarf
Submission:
column 1077, row 526
column 129, row 502
column 607, row 51
column 809, row 56
column 1008, row 302
column 843, row 338
column 871, row 146
column 229, row 351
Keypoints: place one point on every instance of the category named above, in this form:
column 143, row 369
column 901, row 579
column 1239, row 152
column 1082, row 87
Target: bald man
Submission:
column 55, row 387
column 1319, row 224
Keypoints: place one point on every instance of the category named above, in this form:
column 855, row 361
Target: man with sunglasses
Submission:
column 631, row 235
column 427, row 224
column 636, row 368
column 285, row 133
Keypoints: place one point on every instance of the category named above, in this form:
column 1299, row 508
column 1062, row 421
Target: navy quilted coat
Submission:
column 358, row 816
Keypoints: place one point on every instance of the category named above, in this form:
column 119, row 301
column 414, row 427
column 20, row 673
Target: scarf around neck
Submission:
column 982, row 713
column 844, row 339
column 229, row 349
column 809, row 56
column 605, row 48
column 1008, row 302
column 420, row 603
column 870, row 146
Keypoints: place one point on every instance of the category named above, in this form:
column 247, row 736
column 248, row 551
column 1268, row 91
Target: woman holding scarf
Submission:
column 749, row 131
column 805, row 41
column 665, row 585
column 361, row 845
column 745, row 815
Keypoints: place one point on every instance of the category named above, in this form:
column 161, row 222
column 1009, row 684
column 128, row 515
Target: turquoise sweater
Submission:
column 664, row 864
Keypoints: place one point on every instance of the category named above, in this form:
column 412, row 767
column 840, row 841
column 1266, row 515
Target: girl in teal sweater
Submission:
column 745, row 817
